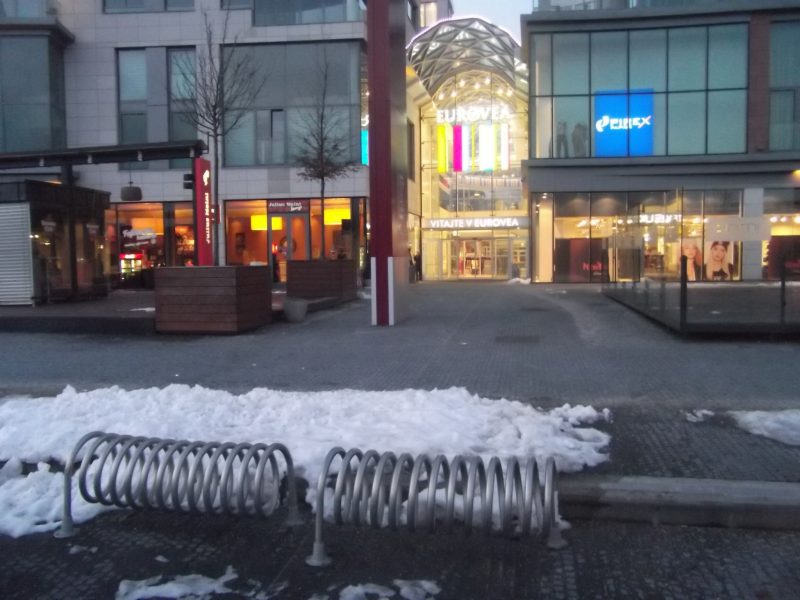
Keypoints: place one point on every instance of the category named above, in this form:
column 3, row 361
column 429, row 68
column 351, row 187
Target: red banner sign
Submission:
column 203, row 213
column 287, row 206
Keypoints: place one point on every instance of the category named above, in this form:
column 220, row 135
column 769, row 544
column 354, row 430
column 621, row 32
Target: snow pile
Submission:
column 181, row 587
column 408, row 590
column 698, row 416
column 515, row 280
column 448, row 422
column 782, row 425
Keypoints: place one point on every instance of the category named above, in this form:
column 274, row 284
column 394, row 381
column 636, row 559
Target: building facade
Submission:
column 83, row 73
column 661, row 130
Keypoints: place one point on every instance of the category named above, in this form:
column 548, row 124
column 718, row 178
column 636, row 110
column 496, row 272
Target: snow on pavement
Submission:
column 449, row 422
column 781, row 425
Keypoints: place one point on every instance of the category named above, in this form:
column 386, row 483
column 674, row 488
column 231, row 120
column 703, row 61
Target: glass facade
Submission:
column 668, row 91
column 270, row 131
column 300, row 12
column 32, row 105
column 784, row 82
column 475, row 220
column 628, row 236
column 262, row 232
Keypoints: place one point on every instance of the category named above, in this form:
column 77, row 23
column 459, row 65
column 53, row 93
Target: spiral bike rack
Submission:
column 177, row 475
column 383, row 489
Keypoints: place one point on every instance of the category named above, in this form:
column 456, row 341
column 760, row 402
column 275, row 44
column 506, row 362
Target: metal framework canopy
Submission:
column 103, row 154
column 467, row 46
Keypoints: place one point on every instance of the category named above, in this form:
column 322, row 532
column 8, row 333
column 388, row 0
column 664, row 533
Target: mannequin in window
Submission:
column 562, row 148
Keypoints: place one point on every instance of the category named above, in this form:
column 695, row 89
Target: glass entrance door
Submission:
column 476, row 259
column 298, row 246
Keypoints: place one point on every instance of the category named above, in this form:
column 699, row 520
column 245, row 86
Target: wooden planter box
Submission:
column 321, row 279
column 212, row 299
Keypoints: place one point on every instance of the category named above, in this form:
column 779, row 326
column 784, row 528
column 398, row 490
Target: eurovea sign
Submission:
column 623, row 123
column 476, row 223
column 473, row 114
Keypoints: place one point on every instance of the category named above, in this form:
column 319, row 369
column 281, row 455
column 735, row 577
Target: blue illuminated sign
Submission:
column 623, row 123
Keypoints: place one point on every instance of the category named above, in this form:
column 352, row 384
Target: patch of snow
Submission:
column 699, row 415
column 161, row 559
column 180, row 587
column 450, row 422
column 782, row 425
column 362, row 591
column 516, row 280
column 146, row 309
column 417, row 590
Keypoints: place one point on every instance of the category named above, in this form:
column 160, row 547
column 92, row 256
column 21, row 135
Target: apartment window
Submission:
column 31, row 94
column 676, row 91
column 784, row 81
column 156, row 112
column 116, row 6
column 237, row 4
column 271, row 129
column 300, row 12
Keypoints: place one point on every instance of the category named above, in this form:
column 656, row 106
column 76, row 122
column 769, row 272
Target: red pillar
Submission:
column 388, row 157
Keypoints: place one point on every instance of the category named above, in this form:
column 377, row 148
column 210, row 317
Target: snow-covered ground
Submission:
column 781, row 425
column 449, row 422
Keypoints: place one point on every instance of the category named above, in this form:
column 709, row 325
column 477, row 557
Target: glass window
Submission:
column 179, row 4
column 687, row 58
column 181, row 73
column 181, row 127
column 727, row 118
column 785, row 54
column 571, row 63
column 239, row 146
column 686, row 130
column 648, row 60
column 123, row 5
column 246, row 230
column 296, row 12
column 727, row 56
column 784, row 129
column 132, row 75
column 543, row 128
column 778, row 200
column 569, row 113
column 237, row 3
column 542, row 64
column 572, row 238
column 722, row 202
column 609, row 61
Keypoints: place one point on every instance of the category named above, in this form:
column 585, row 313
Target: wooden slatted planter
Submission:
column 312, row 279
column 212, row 299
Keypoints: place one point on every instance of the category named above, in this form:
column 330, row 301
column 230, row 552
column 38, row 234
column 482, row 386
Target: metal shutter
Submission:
column 16, row 260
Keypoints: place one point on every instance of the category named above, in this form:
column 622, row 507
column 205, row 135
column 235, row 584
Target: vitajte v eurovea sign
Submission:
column 623, row 123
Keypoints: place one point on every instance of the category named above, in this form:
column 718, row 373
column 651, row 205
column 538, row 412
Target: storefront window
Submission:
column 338, row 224
column 140, row 242
column 246, row 227
column 782, row 250
column 572, row 238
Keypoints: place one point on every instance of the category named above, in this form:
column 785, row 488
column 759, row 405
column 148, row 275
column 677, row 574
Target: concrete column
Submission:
column 752, row 206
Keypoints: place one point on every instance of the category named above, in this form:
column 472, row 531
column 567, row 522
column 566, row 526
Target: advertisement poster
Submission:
column 721, row 261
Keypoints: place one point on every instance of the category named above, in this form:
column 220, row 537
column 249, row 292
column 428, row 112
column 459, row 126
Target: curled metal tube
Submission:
column 425, row 493
column 177, row 475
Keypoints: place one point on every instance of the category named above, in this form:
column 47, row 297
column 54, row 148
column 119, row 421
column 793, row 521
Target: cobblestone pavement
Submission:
column 602, row 560
column 546, row 345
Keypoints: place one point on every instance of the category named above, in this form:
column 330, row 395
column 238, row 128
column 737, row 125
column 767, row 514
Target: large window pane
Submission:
column 687, row 58
column 781, row 200
column 727, row 56
column 240, row 144
column 722, row 202
column 26, row 127
column 727, row 121
column 132, row 75
column 543, row 128
column 181, row 128
column 648, row 60
column 25, row 70
column 569, row 113
column 609, row 61
column 571, row 233
column 785, row 54
column 784, row 131
column 181, row 74
column 687, row 123
column 571, row 63
column 542, row 76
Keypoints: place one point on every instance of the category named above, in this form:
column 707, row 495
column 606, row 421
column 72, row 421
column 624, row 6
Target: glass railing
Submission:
column 27, row 9
column 553, row 5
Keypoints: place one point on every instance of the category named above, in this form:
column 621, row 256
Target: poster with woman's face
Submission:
column 690, row 248
column 722, row 261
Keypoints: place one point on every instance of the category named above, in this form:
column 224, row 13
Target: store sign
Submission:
column 203, row 212
column 135, row 238
column 287, row 206
column 473, row 114
column 741, row 229
column 624, row 123
column 476, row 223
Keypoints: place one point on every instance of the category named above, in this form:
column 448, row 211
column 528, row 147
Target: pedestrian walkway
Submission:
column 544, row 345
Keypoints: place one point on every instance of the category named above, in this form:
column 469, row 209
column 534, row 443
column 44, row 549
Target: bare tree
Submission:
column 324, row 150
column 217, row 89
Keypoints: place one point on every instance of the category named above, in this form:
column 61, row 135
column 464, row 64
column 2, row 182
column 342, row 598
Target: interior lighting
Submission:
column 477, row 85
column 773, row 219
column 334, row 216
column 796, row 220
column 258, row 222
column 453, row 94
column 462, row 83
column 441, row 95
column 784, row 219
column 487, row 81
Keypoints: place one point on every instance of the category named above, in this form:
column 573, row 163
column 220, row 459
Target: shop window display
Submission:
column 782, row 250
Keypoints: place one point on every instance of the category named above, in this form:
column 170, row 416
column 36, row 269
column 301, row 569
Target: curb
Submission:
column 681, row 501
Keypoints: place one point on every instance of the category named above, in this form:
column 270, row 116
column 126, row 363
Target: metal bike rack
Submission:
column 177, row 475
column 378, row 489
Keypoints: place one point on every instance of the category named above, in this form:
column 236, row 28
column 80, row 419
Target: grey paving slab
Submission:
column 601, row 561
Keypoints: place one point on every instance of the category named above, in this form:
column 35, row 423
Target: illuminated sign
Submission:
column 474, row 114
column 624, row 123
column 476, row 223
column 203, row 212
column 287, row 206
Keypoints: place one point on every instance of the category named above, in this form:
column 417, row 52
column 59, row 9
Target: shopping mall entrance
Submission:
column 471, row 258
